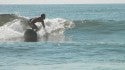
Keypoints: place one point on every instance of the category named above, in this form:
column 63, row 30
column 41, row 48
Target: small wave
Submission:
column 15, row 28
column 101, row 26
column 97, row 22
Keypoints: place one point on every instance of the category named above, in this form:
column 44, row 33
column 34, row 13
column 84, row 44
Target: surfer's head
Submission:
column 43, row 16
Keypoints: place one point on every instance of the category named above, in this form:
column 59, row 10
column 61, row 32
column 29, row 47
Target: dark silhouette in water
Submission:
column 30, row 36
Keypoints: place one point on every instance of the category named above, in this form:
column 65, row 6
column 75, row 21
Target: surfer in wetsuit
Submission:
column 38, row 19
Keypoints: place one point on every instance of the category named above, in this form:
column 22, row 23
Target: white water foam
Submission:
column 14, row 30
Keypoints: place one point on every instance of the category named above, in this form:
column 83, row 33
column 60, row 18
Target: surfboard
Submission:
column 30, row 36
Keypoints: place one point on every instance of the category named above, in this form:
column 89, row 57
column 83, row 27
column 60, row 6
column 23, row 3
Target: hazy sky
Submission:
column 59, row 1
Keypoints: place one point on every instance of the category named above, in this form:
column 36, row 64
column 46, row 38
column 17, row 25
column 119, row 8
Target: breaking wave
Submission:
column 13, row 27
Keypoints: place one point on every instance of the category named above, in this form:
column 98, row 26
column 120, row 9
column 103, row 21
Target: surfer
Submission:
column 38, row 19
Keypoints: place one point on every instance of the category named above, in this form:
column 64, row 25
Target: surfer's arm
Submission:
column 43, row 24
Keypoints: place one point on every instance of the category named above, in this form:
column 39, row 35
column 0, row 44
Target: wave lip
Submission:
column 4, row 18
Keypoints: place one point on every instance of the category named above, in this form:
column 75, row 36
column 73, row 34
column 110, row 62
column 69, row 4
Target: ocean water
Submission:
column 79, row 37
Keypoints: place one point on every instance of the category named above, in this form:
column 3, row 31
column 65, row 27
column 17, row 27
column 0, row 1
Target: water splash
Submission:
column 14, row 29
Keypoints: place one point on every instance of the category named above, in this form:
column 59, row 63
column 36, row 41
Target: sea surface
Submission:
column 77, row 37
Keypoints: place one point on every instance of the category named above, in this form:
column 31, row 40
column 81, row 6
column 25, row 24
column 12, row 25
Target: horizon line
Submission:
column 55, row 3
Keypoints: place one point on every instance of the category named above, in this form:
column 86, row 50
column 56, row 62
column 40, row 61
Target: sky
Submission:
column 60, row 1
